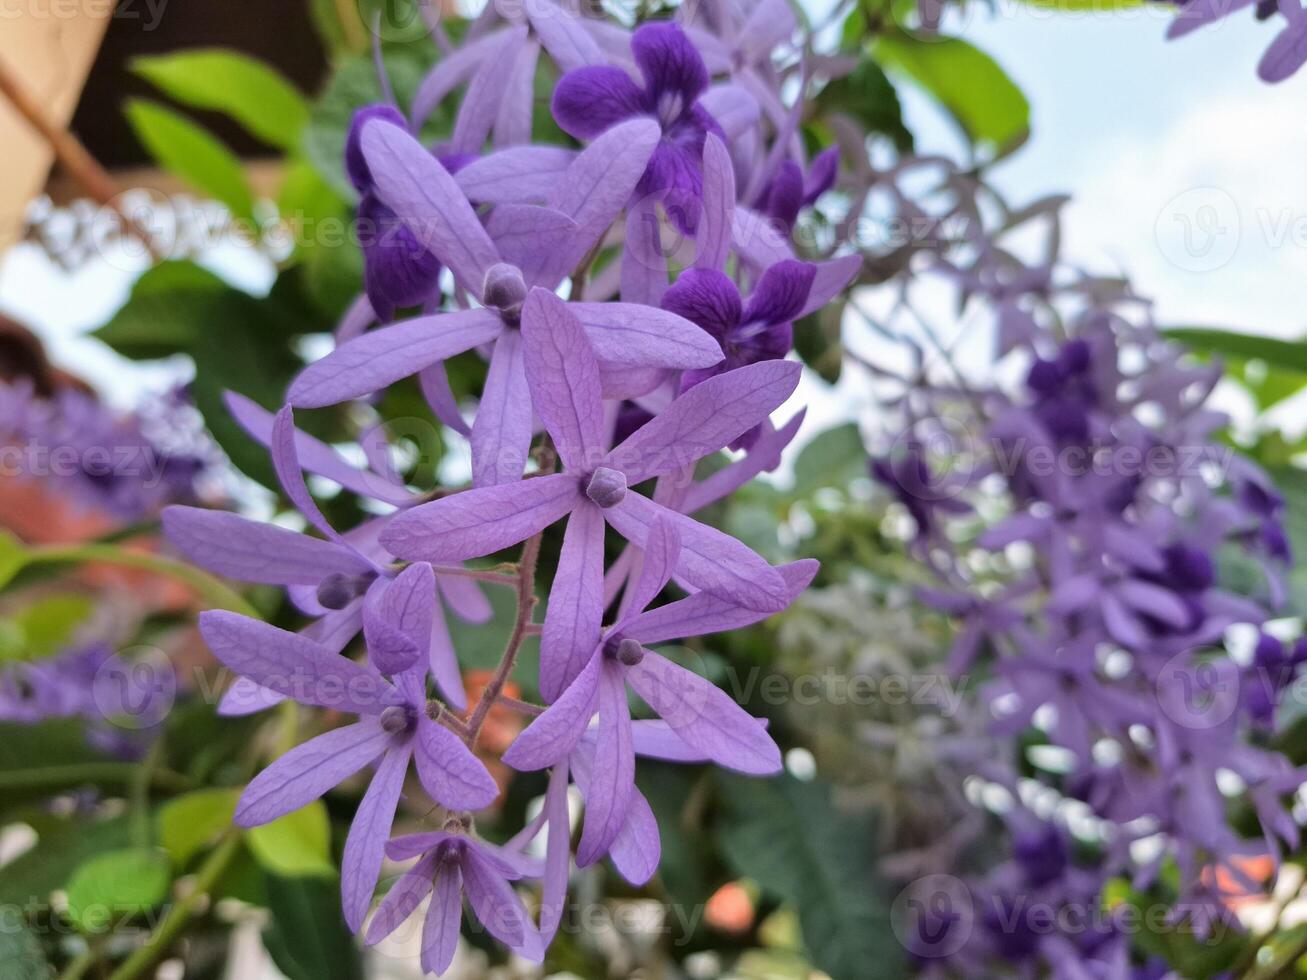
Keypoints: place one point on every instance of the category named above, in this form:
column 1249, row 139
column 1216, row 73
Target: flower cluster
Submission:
column 1286, row 53
column 1079, row 541
column 124, row 466
column 631, row 359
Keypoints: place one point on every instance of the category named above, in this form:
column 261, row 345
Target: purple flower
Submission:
column 703, row 717
column 760, row 330
column 521, row 247
column 595, row 488
column 790, row 191
column 451, row 866
column 393, row 727
column 590, row 100
column 350, row 588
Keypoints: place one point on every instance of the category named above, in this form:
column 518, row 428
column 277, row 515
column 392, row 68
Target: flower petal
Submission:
column 518, row 175
column 307, row 771
column 485, row 93
column 537, row 240
column 365, row 847
column 704, row 419
column 252, row 551
column 444, row 916
column 645, row 336
column 414, row 185
column 705, row 716
column 613, row 779
column 501, row 431
column 713, row 238
column 494, row 902
column 576, row 603
column 559, row 30
column 830, row 280
column 669, row 61
column 294, row 665
column 402, row 900
column 563, row 375
column 551, row 735
column 710, row 560
column 449, row 771
column 662, row 551
column 781, row 293
column 708, row 298
column 589, row 100
column 380, row 358
column 482, row 520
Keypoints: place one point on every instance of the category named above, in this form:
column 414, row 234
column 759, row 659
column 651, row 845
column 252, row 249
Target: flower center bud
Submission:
column 338, row 590
column 607, row 487
column 396, row 719
column 629, row 652
column 505, row 290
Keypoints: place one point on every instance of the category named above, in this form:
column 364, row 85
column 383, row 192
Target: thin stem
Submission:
column 179, row 916
column 209, row 588
column 526, row 602
column 520, row 706
column 78, row 967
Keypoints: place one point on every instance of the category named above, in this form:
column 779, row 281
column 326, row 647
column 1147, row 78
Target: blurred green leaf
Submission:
column 62, row 845
column 117, row 883
column 968, row 83
column 296, row 845
column 12, row 557
column 868, row 96
column 306, row 936
column 244, row 88
column 1280, row 354
column 193, row 154
column 189, row 823
column 785, row 835
column 352, row 85
column 818, row 340
column 169, row 305
column 832, row 459
column 46, row 625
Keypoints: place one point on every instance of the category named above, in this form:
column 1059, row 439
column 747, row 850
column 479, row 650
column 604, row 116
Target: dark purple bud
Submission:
column 397, row 719
column 1073, row 358
column 504, row 288
column 1045, row 377
column 607, row 487
column 630, row 652
column 1189, row 568
column 338, row 590
column 356, row 167
column 1269, row 651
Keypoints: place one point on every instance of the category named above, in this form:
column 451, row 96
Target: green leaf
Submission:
column 868, row 96
column 353, row 84
column 1280, row 354
column 116, row 884
column 193, row 154
column 21, row 957
column 244, row 88
column 296, row 845
column 785, row 835
column 190, row 823
column 170, row 304
column 306, row 936
column 62, row 845
column 45, row 626
column 13, row 556
column 831, row 459
column 968, row 83
column 818, row 340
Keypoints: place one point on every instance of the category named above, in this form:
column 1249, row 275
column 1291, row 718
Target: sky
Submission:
column 1155, row 140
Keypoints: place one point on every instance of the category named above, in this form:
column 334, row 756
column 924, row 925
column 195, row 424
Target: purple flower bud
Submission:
column 356, row 167
column 397, row 719
column 338, row 590
column 504, row 288
column 630, row 652
column 607, row 487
